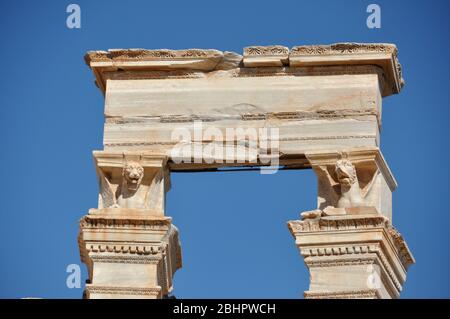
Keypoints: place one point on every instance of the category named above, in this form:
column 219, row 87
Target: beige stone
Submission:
column 352, row 256
column 128, row 254
column 258, row 56
column 324, row 103
column 370, row 183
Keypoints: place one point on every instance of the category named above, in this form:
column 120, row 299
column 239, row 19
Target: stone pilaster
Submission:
column 130, row 248
column 348, row 243
column 359, row 256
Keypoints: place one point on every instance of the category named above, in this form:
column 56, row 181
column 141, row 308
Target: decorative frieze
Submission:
column 107, row 292
column 364, row 246
column 164, row 63
column 383, row 54
column 324, row 103
column 259, row 56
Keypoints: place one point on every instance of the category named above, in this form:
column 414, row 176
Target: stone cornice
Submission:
column 118, row 159
column 197, row 62
column 350, row 225
column 124, row 221
column 258, row 56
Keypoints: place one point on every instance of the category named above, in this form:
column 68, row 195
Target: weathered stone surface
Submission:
column 348, row 242
column 324, row 103
column 352, row 256
column 129, row 255
column 383, row 55
column 231, row 60
column 273, row 55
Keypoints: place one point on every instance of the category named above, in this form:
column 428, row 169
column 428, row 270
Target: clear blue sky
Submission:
column 233, row 225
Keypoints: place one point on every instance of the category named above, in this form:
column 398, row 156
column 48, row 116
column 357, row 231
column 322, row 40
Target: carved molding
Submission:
column 127, row 222
column 324, row 224
column 124, row 248
column 344, row 48
column 125, row 258
column 273, row 50
column 354, row 255
column 263, row 60
column 403, row 251
column 339, row 250
column 356, row 245
column 393, row 68
column 150, row 291
column 249, row 72
column 144, row 55
column 360, row 260
column 353, row 294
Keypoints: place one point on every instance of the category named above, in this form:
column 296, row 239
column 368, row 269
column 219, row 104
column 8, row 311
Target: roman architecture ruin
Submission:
column 324, row 104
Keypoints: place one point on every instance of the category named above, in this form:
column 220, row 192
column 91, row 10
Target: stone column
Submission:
column 348, row 243
column 130, row 248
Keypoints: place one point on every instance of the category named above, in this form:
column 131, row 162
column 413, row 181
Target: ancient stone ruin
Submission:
column 315, row 106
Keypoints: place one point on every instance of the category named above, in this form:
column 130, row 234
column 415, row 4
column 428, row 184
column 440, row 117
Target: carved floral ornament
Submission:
column 333, row 49
column 144, row 54
column 342, row 187
column 266, row 50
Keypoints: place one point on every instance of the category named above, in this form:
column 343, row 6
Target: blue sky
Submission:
column 233, row 225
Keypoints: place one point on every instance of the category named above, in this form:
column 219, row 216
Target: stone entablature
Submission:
column 318, row 97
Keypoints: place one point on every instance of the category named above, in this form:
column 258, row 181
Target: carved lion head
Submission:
column 133, row 173
column 346, row 173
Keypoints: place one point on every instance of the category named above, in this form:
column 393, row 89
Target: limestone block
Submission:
column 324, row 103
column 356, row 178
column 258, row 56
column 381, row 54
column 352, row 256
column 128, row 254
column 132, row 180
column 245, row 94
column 310, row 112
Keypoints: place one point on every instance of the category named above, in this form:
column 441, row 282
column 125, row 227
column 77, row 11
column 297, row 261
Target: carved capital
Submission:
column 356, row 178
column 384, row 55
column 132, row 180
